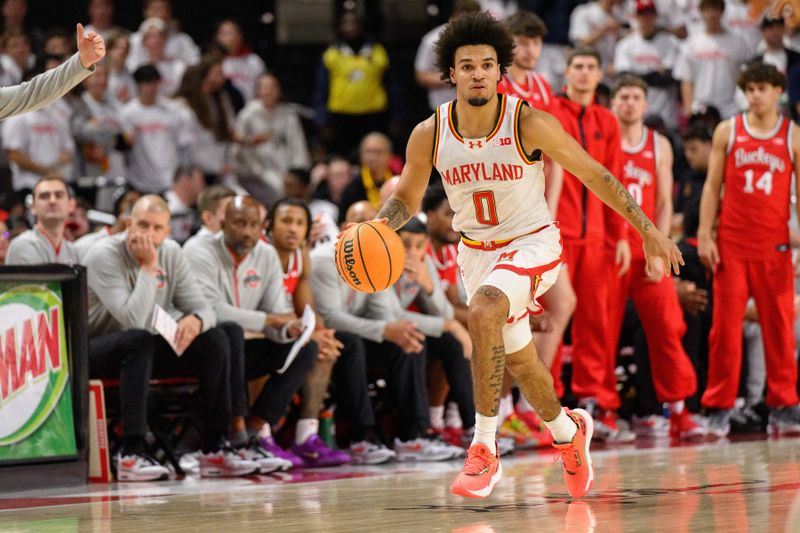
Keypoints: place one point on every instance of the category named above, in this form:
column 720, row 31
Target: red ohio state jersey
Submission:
column 639, row 177
column 535, row 90
column 292, row 275
column 445, row 261
column 754, row 215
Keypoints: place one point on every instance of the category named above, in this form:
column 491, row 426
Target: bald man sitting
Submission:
column 129, row 274
column 242, row 277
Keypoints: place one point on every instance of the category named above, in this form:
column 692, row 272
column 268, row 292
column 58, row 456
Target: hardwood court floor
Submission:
column 730, row 487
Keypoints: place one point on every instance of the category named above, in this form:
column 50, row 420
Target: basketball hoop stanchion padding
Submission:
column 44, row 391
column 99, row 462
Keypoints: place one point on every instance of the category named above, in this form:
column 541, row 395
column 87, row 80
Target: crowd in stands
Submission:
column 182, row 178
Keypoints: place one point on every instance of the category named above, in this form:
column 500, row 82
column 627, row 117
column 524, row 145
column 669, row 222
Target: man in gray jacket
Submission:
column 393, row 344
column 241, row 276
column 49, row 86
column 45, row 242
column 131, row 274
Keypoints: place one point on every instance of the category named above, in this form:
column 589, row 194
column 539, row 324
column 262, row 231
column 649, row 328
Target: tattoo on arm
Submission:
column 395, row 212
column 631, row 207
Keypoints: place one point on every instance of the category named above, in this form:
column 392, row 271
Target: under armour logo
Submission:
column 475, row 144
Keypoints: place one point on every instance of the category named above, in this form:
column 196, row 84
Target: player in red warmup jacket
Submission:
column 754, row 155
column 647, row 174
column 586, row 224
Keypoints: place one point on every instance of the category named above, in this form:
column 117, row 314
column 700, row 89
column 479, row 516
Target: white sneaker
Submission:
column 505, row 446
column 370, row 453
column 651, row 425
column 226, row 463
column 267, row 461
column 135, row 467
column 422, row 449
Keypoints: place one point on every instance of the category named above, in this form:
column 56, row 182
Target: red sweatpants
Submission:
column 591, row 361
column 661, row 316
column 771, row 283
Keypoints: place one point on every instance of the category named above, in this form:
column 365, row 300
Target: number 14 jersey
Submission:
column 754, row 214
column 495, row 188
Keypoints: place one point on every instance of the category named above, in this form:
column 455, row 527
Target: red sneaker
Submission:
column 682, row 427
column 578, row 469
column 452, row 435
column 481, row 471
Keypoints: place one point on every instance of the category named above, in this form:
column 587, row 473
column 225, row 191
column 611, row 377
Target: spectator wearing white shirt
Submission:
column 209, row 115
column 738, row 20
column 670, row 17
column 40, row 144
column 101, row 18
column 425, row 71
column 709, row 63
column 121, row 87
column 179, row 46
column 240, row 65
column 157, row 132
column 16, row 58
column 272, row 142
column 97, row 129
column 597, row 25
column 651, row 54
column 154, row 35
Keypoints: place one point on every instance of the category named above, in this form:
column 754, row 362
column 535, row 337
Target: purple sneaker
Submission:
column 269, row 444
column 315, row 453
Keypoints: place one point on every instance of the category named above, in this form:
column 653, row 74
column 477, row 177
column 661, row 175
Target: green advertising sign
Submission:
column 35, row 401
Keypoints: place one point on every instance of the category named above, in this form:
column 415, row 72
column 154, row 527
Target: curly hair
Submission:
column 473, row 29
column 760, row 72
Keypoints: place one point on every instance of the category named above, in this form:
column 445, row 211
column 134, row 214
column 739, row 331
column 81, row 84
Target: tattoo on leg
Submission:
column 630, row 204
column 498, row 370
column 395, row 212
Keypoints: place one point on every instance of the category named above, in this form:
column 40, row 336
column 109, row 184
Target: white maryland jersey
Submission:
column 494, row 187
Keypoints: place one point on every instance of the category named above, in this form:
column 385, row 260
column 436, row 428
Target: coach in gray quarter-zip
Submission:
column 242, row 278
column 129, row 274
column 49, row 86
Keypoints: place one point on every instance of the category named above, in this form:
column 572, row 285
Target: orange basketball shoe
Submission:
column 481, row 471
column 578, row 469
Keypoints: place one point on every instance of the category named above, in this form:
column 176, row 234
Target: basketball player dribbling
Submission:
column 488, row 149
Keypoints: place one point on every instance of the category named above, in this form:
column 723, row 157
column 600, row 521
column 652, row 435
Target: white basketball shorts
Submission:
column 523, row 270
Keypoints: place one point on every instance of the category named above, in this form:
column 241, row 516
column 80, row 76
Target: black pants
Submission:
column 136, row 355
column 406, row 378
column 457, row 371
column 261, row 357
column 127, row 356
column 349, row 379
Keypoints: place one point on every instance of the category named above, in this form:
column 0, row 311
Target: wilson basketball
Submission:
column 370, row 257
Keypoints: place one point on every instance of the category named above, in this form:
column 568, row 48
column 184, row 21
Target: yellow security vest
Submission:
column 355, row 81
